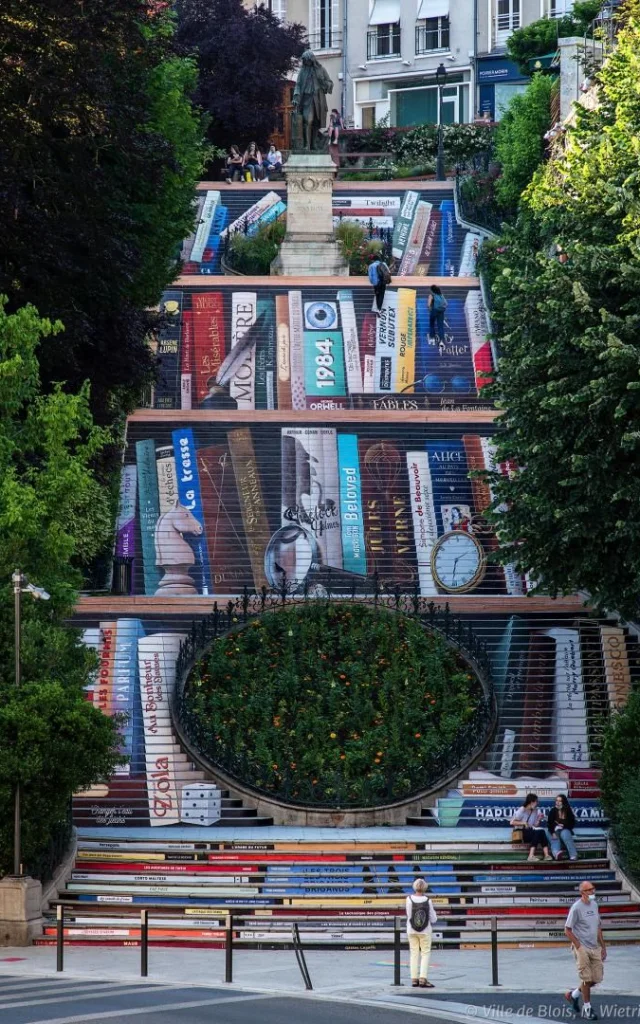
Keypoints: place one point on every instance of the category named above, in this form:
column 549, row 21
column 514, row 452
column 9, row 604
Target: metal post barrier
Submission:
column 396, row 951
column 302, row 963
column 144, row 943
column 494, row 952
column 60, row 938
column 228, row 952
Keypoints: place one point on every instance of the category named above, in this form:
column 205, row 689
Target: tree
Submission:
column 100, row 154
column 520, row 143
column 569, row 372
column 244, row 57
column 51, row 738
column 541, row 37
column 620, row 781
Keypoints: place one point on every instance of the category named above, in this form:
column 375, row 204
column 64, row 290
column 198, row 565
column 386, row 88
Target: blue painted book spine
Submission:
column 126, row 695
column 148, row 511
column 452, row 492
column 448, row 255
column 354, row 558
column 184, row 447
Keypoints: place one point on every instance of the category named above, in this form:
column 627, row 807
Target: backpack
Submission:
column 419, row 915
column 439, row 303
column 385, row 273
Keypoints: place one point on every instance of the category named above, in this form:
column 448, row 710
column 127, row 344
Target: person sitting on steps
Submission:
column 528, row 817
column 252, row 162
column 233, row 166
column 561, row 823
column 272, row 162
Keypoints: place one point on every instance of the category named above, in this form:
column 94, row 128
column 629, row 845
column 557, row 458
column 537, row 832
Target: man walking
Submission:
column 584, row 931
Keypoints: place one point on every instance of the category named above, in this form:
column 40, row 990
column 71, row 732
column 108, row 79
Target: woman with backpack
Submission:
column 437, row 307
column 420, row 917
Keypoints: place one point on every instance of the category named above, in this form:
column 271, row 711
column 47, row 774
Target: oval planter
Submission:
column 287, row 812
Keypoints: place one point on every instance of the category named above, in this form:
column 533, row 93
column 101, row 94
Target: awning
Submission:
column 543, row 63
column 385, row 12
column 433, row 9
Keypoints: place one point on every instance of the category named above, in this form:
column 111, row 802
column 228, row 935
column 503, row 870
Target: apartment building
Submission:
column 497, row 78
column 394, row 48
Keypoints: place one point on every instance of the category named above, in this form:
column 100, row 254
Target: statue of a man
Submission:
column 309, row 98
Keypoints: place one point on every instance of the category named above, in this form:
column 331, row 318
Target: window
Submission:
column 508, row 19
column 278, row 7
column 558, row 8
column 383, row 41
column 424, row 105
column 324, row 26
column 504, row 93
column 368, row 117
column 432, row 34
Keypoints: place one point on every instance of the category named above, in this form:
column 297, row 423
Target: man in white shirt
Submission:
column 584, row 931
column 420, row 917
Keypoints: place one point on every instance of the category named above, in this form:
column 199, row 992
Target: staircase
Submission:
column 189, row 888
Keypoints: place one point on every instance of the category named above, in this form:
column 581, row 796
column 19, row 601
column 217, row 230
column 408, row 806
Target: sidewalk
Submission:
column 355, row 974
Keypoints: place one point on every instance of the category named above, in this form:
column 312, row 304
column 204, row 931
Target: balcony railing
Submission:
column 383, row 41
column 430, row 38
column 325, row 39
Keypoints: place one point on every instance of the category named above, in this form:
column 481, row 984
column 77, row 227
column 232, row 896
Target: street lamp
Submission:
column 21, row 586
column 441, row 77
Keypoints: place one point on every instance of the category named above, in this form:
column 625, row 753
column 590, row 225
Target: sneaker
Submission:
column 589, row 1014
column 532, row 856
column 548, row 856
column 575, row 1003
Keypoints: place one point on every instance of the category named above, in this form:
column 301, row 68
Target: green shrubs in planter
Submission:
column 337, row 704
column 357, row 249
column 254, row 254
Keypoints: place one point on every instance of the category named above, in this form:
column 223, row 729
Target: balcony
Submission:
column 383, row 42
column 325, row 39
column 432, row 35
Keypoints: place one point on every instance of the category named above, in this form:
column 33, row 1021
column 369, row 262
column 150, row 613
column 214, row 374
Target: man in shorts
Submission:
column 584, row 931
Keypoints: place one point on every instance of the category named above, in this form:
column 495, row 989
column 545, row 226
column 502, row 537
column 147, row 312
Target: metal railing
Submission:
column 438, row 765
column 430, row 38
column 492, row 935
column 383, row 41
column 482, row 213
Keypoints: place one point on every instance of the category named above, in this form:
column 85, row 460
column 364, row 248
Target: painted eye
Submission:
column 320, row 316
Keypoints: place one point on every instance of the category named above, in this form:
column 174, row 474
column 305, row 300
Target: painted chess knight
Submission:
column 174, row 554
column 309, row 100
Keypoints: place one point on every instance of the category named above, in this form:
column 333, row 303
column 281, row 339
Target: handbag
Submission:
column 517, row 834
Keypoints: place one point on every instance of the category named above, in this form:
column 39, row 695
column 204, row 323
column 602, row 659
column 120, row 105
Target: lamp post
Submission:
column 21, row 586
column 441, row 77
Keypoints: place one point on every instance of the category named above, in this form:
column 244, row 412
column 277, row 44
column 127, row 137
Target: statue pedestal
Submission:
column 309, row 248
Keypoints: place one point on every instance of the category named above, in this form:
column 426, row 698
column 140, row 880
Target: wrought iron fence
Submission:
column 44, row 863
column 330, row 791
column 482, row 211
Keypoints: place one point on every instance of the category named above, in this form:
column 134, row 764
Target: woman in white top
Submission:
column 420, row 941
column 529, row 817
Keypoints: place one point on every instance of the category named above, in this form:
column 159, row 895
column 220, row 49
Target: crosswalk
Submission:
column 32, row 1000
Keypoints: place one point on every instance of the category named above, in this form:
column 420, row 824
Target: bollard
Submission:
column 144, row 943
column 494, row 952
column 396, row 951
column 60, row 938
column 228, row 951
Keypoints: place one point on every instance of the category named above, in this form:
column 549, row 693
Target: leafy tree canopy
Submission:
column 541, row 37
column 100, row 153
column 520, row 141
column 51, row 738
column 244, row 58
column 569, row 373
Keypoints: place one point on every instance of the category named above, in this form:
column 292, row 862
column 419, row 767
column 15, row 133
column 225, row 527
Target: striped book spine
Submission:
column 252, row 506
column 406, row 347
column 353, row 547
column 148, row 511
column 296, row 350
column 423, row 516
column 243, row 317
column 185, row 453
column 186, row 360
column 283, row 353
column 351, row 342
column 167, row 479
column 386, row 350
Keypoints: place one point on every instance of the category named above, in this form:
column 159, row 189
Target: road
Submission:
column 28, row 1000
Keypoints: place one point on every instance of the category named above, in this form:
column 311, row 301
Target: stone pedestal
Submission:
column 309, row 248
column 20, row 911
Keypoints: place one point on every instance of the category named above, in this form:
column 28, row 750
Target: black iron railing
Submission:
column 330, row 792
column 432, row 34
column 477, row 211
column 383, row 41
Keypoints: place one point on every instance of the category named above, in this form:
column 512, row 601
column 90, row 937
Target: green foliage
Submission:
column 569, row 373
column 51, row 738
column 620, row 780
column 357, row 249
column 520, row 141
column 100, row 154
column 620, row 755
column 254, row 254
column 541, row 37
column 626, row 829
column 338, row 703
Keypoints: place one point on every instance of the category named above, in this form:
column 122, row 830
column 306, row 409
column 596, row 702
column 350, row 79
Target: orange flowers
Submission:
column 418, row 735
